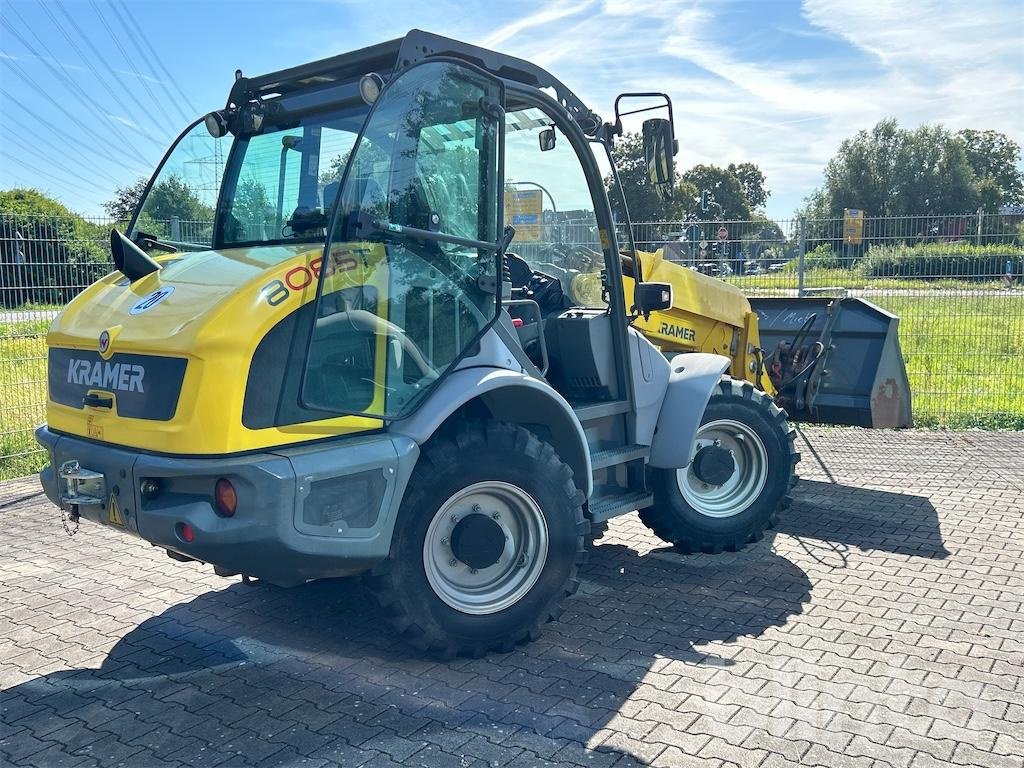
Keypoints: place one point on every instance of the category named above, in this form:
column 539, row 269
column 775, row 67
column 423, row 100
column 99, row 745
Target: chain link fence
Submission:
column 957, row 283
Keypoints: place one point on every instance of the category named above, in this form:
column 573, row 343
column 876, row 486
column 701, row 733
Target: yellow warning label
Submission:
column 524, row 210
column 114, row 512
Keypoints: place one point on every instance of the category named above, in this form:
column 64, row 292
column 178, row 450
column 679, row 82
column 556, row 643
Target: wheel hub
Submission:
column 485, row 547
column 728, row 471
column 713, row 465
column 478, row 541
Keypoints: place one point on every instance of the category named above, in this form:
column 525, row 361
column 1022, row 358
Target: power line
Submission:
column 67, row 136
column 141, row 35
column 42, row 92
column 33, row 151
column 88, row 61
column 148, row 56
column 43, row 139
column 69, row 81
column 104, row 62
column 130, row 61
column 40, row 172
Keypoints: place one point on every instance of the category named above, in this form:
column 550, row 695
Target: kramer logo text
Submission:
column 123, row 377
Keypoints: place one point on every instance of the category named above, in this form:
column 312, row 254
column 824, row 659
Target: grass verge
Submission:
column 963, row 356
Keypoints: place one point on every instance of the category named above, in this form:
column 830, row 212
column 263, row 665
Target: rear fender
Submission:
column 691, row 383
column 513, row 397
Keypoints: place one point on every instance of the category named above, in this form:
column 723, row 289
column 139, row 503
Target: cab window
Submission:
column 548, row 201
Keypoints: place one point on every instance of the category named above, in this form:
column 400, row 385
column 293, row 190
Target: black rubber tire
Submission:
column 674, row 520
column 477, row 451
column 597, row 531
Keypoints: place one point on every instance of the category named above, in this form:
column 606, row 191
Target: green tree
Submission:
column 253, row 211
column 47, row 252
column 174, row 198
column 727, row 189
column 994, row 158
column 122, row 205
column 892, row 171
column 752, row 180
column 641, row 197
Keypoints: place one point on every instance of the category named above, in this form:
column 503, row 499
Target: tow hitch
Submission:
column 78, row 486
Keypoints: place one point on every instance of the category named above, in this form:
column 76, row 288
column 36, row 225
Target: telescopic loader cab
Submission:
column 372, row 317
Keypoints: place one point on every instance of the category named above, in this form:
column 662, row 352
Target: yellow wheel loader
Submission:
column 373, row 317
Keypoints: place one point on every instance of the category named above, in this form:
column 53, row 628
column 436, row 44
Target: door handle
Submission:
column 97, row 401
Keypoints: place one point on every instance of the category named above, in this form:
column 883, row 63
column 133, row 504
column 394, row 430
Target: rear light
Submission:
column 226, row 498
column 517, row 322
column 185, row 532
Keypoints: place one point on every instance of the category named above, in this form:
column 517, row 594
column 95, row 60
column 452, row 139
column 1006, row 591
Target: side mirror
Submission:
column 659, row 149
column 651, row 297
column 547, row 139
column 133, row 262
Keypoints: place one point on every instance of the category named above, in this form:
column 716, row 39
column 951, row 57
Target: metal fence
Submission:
column 957, row 283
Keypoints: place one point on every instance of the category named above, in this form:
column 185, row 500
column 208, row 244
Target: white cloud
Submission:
column 123, row 120
column 546, row 15
column 960, row 64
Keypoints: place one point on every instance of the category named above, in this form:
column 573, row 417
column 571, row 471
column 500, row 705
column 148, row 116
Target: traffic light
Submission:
column 705, row 200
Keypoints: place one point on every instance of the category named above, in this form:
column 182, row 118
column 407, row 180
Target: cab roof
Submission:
column 394, row 55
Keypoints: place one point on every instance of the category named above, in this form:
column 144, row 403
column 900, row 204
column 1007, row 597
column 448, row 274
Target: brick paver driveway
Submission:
column 882, row 625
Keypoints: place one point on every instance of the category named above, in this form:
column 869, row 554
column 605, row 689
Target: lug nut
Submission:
column 495, row 515
column 476, row 507
column 453, row 562
column 444, row 542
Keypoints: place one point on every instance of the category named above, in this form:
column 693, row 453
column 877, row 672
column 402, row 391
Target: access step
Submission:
column 611, row 457
column 596, row 411
column 612, row 505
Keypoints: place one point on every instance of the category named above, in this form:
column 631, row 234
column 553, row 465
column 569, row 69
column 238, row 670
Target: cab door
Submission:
column 410, row 269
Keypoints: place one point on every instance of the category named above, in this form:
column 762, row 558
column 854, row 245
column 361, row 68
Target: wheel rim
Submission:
column 516, row 517
column 747, row 481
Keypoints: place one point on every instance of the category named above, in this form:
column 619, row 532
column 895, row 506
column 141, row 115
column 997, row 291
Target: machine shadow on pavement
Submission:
column 246, row 670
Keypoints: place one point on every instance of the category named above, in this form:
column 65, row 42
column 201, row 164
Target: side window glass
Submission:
column 179, row 207
column 548, row 201
column 396, row 308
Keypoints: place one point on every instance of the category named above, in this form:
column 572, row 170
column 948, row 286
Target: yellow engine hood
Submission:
column 209, row 309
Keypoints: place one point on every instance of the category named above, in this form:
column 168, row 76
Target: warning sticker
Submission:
column 114, row 512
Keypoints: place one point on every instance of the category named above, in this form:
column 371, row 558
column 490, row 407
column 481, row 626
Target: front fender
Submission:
column 509, row 396
column 690, row 386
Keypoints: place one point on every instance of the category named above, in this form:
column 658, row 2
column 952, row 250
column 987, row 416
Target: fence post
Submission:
column 800, row 263
column 175, row 229
column 977, row 240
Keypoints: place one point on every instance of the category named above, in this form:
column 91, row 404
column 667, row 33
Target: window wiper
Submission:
column 390, row 228
column 152, row 242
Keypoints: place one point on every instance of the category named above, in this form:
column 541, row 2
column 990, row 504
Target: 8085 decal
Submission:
column 302, row 276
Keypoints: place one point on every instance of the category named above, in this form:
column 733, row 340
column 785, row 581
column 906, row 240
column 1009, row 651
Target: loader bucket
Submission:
column 857, row 379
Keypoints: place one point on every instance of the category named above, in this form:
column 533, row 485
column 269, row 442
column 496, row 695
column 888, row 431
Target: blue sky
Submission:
column 776, row 82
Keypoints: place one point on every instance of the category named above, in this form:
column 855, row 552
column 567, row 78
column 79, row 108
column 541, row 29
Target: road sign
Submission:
column 723, row 233
column 703, row 244
column 524, row 210
column 703, row 253
column 853, row 226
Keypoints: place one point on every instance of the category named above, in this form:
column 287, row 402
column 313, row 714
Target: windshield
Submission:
column 283, row 181
column 273, row 187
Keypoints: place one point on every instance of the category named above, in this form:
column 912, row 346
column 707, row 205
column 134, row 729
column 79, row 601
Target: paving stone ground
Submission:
column 882, row 624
